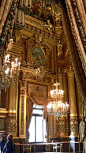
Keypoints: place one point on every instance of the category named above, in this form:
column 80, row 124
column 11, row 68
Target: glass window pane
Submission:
column 38, row 106
column 32, row 130
column 39, row 128
column 35, row 111
column 44, row 129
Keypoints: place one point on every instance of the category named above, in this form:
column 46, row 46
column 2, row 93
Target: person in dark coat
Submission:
column 8, row 148
column 2, row 142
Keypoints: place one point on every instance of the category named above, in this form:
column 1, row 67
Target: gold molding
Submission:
column 3, row 110
column 73, row 115
column 34, row 22
column 16, row 49
column 25, row 33
column 2, row 116
column 37, row 25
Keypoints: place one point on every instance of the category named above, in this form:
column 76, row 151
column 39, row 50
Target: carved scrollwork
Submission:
column 74, row 125
column 10, row 123
column 75, row 33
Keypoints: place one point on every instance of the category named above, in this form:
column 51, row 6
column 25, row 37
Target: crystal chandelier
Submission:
column 9, row 71
column 56, row 107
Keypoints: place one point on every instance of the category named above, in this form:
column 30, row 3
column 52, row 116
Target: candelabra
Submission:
column 9, row 71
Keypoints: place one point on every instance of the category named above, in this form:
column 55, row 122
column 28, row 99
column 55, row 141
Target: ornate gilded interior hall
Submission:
column 43, row 74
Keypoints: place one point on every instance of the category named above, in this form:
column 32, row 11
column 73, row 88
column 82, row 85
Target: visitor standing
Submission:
column 9, row 146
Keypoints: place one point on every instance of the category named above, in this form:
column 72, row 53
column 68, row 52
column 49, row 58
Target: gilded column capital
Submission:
column 59, row 72
column 68, row 70
column 64, row 75
column 71, row 73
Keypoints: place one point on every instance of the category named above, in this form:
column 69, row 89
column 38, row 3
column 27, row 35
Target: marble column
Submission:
column 72, row 104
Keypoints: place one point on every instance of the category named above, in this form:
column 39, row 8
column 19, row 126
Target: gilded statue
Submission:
column 81, row 130
column 10, row 44
column 60, row 48
column 49, row 26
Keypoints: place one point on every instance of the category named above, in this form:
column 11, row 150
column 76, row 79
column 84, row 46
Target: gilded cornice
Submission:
column 50, row 42
column 64, row 62
column 25, row 33
column 49, row 75
column 33, row 22
column 25, row 70
column 3, row 111
column 29, row 74
column 16, row 50
column 36, row 27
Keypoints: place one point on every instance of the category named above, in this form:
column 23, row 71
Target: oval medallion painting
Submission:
column 38, row 56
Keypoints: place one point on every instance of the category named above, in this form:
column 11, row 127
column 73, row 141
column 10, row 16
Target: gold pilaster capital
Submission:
column 59, row 72
column 70, row 74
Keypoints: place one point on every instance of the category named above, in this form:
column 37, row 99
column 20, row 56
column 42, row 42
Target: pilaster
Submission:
column 72, row 104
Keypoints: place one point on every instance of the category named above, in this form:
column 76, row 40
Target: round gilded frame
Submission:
column 38, row 56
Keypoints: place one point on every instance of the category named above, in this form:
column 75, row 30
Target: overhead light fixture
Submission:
column 56, row 106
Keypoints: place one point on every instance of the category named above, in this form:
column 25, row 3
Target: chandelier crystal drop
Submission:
column 56, row 107
column 9, row 71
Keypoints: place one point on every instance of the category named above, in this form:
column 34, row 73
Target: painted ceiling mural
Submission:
column 42, row 10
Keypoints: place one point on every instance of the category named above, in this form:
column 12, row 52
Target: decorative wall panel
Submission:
column 73, row 125
column 10, row 124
